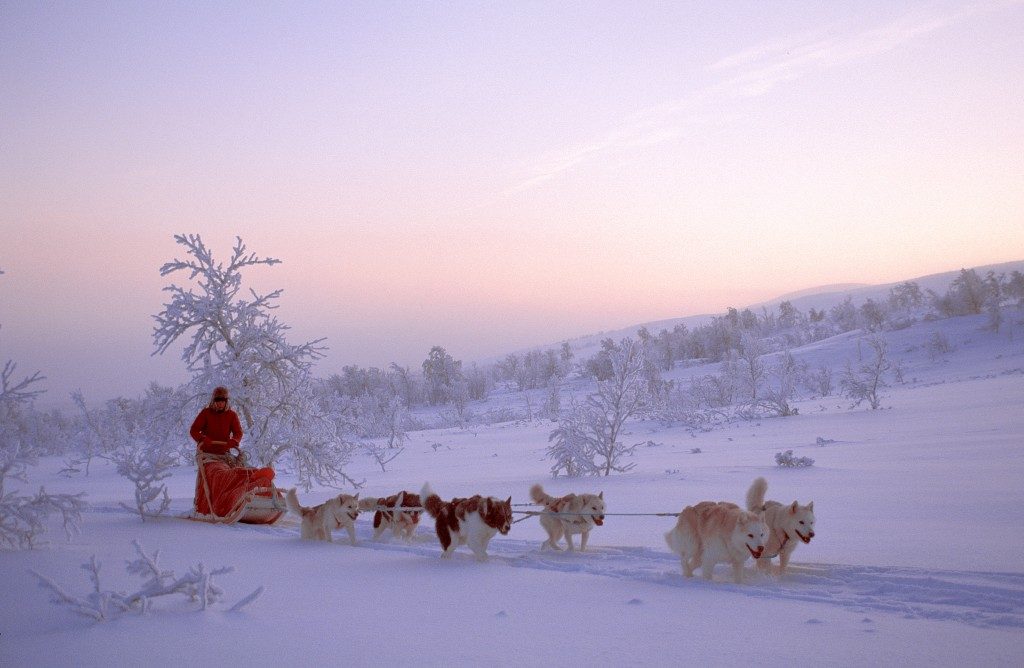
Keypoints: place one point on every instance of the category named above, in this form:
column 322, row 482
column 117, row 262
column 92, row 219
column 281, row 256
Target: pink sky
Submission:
column 489, row 177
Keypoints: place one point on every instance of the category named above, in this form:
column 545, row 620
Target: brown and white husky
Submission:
column 402, row 523
column 713, row 532
column 473, row 521
column 577, row 513
column 319, row 521
column 788, row 525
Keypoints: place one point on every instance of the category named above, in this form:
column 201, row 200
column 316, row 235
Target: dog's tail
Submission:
column 538, row 495
column 755, row 495
column 292, row 501
column 672, row 540
column 431, row 501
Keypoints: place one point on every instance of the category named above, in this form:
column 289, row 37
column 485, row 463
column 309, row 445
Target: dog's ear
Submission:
column 485, row 505
column 509, row 500
column 810, row 506
column 600, row 495
column 400, row 499
column 792, row 508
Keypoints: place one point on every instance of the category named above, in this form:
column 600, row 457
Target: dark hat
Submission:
column 220, row 393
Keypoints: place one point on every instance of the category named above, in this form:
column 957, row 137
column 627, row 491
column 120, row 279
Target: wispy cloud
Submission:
column 752, row 72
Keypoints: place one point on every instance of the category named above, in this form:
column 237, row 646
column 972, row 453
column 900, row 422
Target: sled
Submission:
column 258, row 505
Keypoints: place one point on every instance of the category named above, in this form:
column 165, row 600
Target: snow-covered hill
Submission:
column 823, row 297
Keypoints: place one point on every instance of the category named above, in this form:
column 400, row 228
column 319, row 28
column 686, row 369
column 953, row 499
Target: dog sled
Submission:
column 228, row 491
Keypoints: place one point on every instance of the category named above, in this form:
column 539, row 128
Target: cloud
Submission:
column 753, row 72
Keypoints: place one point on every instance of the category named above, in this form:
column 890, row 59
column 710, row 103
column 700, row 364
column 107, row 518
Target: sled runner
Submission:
column 228, row 491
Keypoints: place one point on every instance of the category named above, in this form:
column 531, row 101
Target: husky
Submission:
column 589, row 509
column 787, row 525
column 402, row 523
column 319, row 521
column 472, row 521
column 713, row 532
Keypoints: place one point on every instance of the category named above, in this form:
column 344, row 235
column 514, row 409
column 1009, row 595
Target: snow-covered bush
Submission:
column 197, row 585
column 570, row 449
column 237, row 342
column 144, row 438
column 863, row 382
column 819, row 381
column 780, row 388
column 787, row 460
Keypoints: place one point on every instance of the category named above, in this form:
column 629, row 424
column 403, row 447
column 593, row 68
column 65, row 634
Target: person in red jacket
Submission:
column 217, row 429
column 223, row 482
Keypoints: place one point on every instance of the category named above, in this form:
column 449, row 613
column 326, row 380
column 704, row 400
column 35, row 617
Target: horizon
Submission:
column 489, row 178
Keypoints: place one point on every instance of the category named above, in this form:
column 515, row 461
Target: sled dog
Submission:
column 402, row 523
column 590, row 509
column 319, row 521
column 787, row 525
column 714, row 532
column 472, row 521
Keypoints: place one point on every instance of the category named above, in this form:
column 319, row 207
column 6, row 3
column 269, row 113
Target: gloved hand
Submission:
column 205, row 443
column 232, row 443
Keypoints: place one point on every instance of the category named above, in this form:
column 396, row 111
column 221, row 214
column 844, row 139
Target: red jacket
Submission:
column 210, row 425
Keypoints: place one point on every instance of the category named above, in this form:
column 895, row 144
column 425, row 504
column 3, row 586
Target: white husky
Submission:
column 787, row 525
column 577, row 513
column 713, row 532
column 334, row 513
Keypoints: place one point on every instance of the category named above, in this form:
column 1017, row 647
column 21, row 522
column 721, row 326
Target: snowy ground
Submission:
column 917, row 559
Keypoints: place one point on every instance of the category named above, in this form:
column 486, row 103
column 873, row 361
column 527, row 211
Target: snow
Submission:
column 917, row 558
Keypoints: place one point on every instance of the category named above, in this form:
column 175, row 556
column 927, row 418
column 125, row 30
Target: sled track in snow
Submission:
column 981, row 599
column 987, row 600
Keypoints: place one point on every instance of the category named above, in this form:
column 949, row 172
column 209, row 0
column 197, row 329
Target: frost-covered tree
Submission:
column 864, row 381
column 571, row 449
column 780, row 388
column 595, row 427
column 750, row 367
column 995, row 292
column 906, row 297
column 872, row 315
column 1015, row 288
column 235, row 340
column 441, row 373
column 819, row 380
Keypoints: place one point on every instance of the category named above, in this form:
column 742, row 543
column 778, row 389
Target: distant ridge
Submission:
column 821, row 289
column 821, row 297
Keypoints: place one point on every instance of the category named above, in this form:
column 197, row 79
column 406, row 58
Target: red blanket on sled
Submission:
column 227, row 485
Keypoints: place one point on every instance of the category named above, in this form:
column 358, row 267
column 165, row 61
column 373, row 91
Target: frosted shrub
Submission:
column 197, row 585
column 937, row 345
column 145, row 468
column 864, row 381
column 819, row 381
column 143, row 438
column 787, row 460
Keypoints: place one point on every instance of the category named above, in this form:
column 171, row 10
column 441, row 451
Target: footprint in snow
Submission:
column 635, row 601
column 814, row 621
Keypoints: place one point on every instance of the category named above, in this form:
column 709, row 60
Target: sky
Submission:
column 488, row 176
